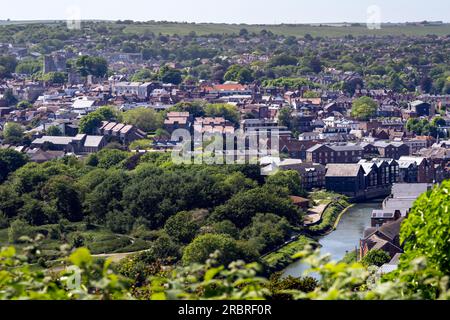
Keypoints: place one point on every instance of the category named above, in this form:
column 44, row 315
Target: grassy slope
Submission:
column 280, row 259
column 289, row 30
column 98, row 241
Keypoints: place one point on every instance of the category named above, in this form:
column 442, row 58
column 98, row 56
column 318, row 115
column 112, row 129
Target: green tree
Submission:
column 54, row 131
column 9, row 97
column 18, row 229
column 170, row 75
column 23, row 105
column 62, row 193
column 267, row 231
column 242, row 207
column 90, row 123
column 147, row 120
column 95, row 66
column 227, row 111
column 364, row 108
column 10, row 161
column 55, row 77
column 376, row 257
column 182, row 227
column 13, row 133
column 199, row 250
column 239, row 74
column 425, row 231
column 289, row 179
column 142, row 75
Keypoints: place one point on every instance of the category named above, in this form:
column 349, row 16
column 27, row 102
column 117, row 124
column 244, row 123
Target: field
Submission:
column 288, row 30
column 298, row 30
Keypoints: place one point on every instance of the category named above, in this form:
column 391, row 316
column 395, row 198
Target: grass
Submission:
column 98, row 241
column 287, row 30
column 281, row 258
column 329, row 217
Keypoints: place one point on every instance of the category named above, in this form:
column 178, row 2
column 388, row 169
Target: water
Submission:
column 344, row 239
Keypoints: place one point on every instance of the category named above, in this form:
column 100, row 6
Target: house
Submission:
column 141, row 90
column 40, row 156
column 347, row 179
column 420, row 108
column 80, row 144
column 393, row 150
column 121, row 132
column 213, row 125
column 381, row 217
column 312, row 175
column 425, row 169
column 384, row 238
column 178, row 120
column 324, row 154
column 300, row 202
column 294, row 148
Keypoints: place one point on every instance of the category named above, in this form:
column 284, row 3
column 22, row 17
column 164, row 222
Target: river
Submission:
column 345, row 238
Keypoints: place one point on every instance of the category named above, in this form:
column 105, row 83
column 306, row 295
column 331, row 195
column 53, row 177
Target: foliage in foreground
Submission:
column 86, row 278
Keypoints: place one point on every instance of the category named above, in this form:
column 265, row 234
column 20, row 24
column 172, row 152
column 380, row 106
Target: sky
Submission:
column 230, row 11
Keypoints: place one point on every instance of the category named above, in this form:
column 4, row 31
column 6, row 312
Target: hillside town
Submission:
column 356, row 117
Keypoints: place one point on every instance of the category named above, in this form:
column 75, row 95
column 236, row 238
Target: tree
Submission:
column 9, row 97
column 267, row 231
column 146, row 119
column 55, row 77
column 195, row 108
column 283, row 60
column 227, row 111
column 108, row 158
column 13, row 133
column 243, row 206
column 23, row 105
column 10, row 161
column 90, row 123
column 182, row 227
column 61, row 192
column 199, row 250
column 18, row 229
column 54, row 131
column 95, row 66
column 351, row 86
column 170, row 75
column 142, row 75
column 376, row 257
column 289, row 179
column 424, row 232
column 315, row 64
column 426, row 84
column 9, row 64
column 239, row 74
column 364, row 108
column 285, row 117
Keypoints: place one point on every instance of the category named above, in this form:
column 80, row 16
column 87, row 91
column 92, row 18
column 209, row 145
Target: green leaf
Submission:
column 81, row 257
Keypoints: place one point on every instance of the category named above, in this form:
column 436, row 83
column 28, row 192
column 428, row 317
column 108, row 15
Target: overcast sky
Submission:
column 229, row 11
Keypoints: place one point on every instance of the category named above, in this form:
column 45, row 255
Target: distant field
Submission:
column 329, row 30
column 290, row 30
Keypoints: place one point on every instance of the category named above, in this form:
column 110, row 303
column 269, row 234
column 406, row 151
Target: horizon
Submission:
column 250, row 12
column 318, row 24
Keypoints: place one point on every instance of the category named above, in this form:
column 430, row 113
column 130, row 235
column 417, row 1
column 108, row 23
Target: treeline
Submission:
column 187, row 212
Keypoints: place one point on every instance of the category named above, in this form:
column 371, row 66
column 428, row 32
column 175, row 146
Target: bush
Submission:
column 18, row 229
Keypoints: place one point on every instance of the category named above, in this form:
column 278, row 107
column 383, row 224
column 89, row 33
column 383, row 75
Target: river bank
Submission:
column 281, row 258
column 348, row 231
